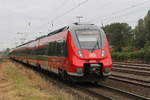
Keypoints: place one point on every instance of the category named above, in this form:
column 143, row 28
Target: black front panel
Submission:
column 93, row 69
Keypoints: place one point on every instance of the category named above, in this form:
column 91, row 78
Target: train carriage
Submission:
column 76, row 52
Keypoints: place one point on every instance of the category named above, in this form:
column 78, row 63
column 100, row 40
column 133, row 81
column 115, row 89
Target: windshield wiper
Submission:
column 95, row 46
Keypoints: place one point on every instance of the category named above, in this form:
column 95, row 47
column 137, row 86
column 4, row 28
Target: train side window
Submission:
column 52, row 49
column 42, row 50
column 62, row 49
column 33, row 51
column 65, row 49
column 48, row 51
column 55, row 48
column 37, row 51
column 28, row 51
column 59, row 47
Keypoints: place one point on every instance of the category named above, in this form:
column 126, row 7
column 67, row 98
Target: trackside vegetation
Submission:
column 142, row 55
column 129, row 43
column 20, row 83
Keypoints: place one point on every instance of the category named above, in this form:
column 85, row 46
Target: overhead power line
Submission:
column 70, row 10
column 120, row 11
column 64, row 2
column 124, row 15
column 63, row 14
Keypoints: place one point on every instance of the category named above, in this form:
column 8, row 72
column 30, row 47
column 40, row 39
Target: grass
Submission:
column 27, row 85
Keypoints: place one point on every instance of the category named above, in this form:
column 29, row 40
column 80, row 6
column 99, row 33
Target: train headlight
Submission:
column 107, row 70
column 80, row 53
column 103, row 54
column 79, row 70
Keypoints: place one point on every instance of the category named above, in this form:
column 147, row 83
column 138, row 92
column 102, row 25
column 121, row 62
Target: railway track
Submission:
column 112, row 93
column 131, row 63
column 130, row 95
column 137, row 74
column 100, row 91
column 132, row 67
column 132, row 71
column 130, row 80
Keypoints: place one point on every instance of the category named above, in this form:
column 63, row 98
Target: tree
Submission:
column 140, row 36
column 5, row 52
column 142, row 32
column 119, row 35
column 147, row 26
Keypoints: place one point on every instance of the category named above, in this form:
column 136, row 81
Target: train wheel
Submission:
column 64, row 76
column 60, row 74
column 96, row 82
column 38, row 66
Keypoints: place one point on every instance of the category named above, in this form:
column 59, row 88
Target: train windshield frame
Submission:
column 89, row 39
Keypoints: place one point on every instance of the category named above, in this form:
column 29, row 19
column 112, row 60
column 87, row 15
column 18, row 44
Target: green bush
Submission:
column 143, row 54
column 120, row 55
column 147, row 54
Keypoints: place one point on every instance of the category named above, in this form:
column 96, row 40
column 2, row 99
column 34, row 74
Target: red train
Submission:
column 76, row 52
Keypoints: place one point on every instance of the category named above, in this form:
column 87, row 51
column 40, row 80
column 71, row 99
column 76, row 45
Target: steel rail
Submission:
column 135, row 64
column 136, row 72
column 128, row 80
column 135, row 96
column 132, row 67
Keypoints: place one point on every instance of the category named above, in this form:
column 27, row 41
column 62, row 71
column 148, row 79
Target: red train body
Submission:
column 78, row 52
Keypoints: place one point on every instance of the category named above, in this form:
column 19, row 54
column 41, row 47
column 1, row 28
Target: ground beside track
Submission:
column 48, row 84
column 18, row 83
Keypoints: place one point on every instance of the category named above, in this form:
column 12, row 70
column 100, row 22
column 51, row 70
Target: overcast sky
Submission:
column 33, row 18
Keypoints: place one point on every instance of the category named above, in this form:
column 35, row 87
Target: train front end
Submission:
column 89, row 54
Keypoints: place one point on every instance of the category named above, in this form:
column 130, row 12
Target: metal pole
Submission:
column 79, row 18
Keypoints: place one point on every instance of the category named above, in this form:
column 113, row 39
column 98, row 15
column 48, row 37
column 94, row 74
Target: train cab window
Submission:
column 89, row 39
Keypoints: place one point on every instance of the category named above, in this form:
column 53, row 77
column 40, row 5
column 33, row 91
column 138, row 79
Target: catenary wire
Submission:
column 120, row 11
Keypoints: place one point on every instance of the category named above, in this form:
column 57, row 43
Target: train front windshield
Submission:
column 89, row 39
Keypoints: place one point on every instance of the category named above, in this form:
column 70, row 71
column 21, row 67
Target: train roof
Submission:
column 57, row 31
column 41, row 37
column 25, row 43
column 78, row 26
column 72, row 26
column 76, row 23
column 51, row 33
